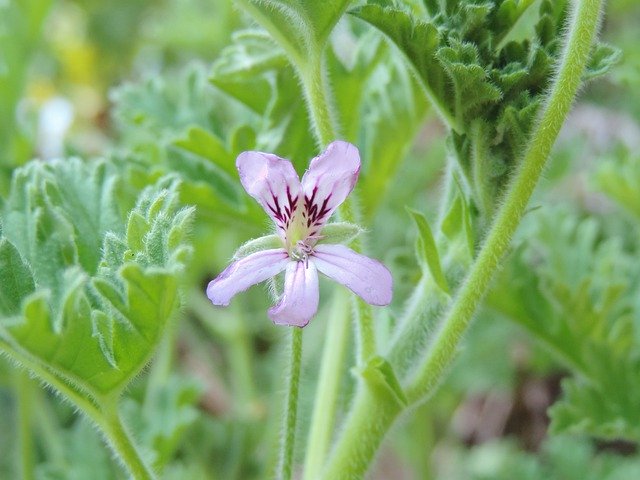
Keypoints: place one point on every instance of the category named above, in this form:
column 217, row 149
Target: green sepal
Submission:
column 257, row 245
column 339, row 232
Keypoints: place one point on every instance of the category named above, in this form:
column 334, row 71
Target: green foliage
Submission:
column 618, row 177
column 83, row 456
column 254, row 71
column 485, row 84
column 427, row 251
column 162, row 420
column 575, row 292
column 88, row 291
column 297, row 25
column 560, row 458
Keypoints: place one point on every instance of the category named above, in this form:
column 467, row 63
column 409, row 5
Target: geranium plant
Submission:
column 429, row 125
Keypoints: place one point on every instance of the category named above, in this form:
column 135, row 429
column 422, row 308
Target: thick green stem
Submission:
column 331, row 372
column 357, row 446
column 315, row 85
column 287, row 445
column 363, row 432
column 583, row 28
column 121, row 443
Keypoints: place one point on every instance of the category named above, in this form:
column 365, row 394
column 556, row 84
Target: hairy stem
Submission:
column 584, row 22
column 110, row 423
column 291, row 410
column 331, row 371
column 315, row 85
column 356, row 448
column 370, row 419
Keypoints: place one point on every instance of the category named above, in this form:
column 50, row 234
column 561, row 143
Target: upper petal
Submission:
column 329, row 180
column 299, row 303
column 364, row 276
column 272, row 181
column 247, row 271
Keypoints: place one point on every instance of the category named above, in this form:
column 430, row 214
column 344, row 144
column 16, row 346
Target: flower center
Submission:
column 301, row 251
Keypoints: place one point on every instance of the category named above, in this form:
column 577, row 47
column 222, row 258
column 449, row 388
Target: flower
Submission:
column 300, row 210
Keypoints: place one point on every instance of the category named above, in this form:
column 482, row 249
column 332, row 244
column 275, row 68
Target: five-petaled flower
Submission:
column 300, row 210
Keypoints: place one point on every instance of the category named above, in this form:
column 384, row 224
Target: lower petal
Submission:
column 364, row 276
column 299, row 303
column 246, row 272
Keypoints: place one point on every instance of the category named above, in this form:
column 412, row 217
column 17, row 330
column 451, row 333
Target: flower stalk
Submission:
column 285, row 465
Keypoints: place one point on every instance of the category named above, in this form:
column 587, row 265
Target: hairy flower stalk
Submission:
column 303, row 244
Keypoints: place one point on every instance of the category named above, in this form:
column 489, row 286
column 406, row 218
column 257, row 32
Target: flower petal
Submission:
column 364, row 276
column 299, row 303
column 328, row 181
column 272, row 181
column 240, row 275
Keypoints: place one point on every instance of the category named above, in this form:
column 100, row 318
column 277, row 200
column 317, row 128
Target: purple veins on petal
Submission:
column 330, row 179
column 299, row 303
column 364, row 276
column 246, row 272
column 272, row 181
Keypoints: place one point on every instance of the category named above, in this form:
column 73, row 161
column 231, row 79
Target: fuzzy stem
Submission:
column 120, row 441
column 315, row 85
column 583, row 28
column 358, row 444
column 370, row 419
column 291, row 410
column 331, row 371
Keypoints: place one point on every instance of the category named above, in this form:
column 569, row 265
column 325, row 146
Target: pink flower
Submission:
column 302, row 246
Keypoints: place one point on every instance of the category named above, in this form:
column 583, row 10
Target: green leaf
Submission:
column 297, row 25
column 457, row 226
column 15, row 277
column 603, row 58
column 251, row 53
column 84, row 456
column 618, row 178
column 162, row 420
column 381, row 379
column 417, row 40
column 91, row 319
column 472, row 87
column 206, row 145
column 575, row 290
column 428, row 251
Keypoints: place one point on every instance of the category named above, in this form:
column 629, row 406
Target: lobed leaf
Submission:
column 88, row 306
column 575, row 292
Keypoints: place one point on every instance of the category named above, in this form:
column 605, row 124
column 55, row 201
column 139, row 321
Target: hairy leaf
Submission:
column 575, row 292
column 297, row 25
column 92, row 289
